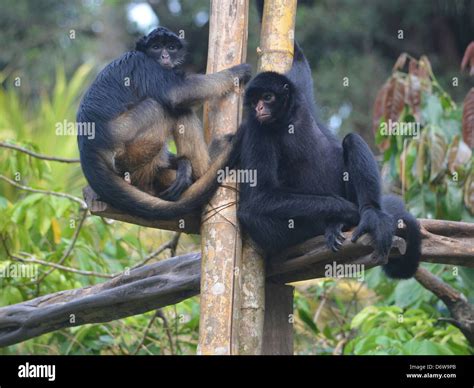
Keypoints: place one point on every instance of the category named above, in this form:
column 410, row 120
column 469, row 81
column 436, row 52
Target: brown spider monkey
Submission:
column 135, row 103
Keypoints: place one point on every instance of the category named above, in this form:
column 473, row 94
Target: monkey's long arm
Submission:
column 364, row 177
column 198, row 88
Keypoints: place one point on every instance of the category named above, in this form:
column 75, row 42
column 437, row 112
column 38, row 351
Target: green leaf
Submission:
column 362, row 316
column 425, row 347
column 307, row 319
column 453, row 202
column 409, row 293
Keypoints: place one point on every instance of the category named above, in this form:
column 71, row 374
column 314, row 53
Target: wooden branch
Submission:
column 175, row 279
column 143, row 289
column 309, row 260
column 461, row 310
column 448, row 242
column 189, row 224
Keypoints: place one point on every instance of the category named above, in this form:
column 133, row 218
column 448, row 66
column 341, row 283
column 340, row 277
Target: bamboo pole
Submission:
column 277, row 36
column 276, row 54
column 221, row 242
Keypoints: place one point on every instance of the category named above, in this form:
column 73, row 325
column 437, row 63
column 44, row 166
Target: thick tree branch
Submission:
column 175, row 279
column 460, row 309
column 189, row 224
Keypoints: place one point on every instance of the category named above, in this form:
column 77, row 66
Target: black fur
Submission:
column 149, row 80
column 300, row 169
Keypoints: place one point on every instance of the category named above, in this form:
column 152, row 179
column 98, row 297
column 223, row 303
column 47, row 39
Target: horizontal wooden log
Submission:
column 178, row 278
column 143, row 289
column 463, row 232
column 189, row 224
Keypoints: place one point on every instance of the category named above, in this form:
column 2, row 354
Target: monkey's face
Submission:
column 169, row 53
column 163, row 46
column 268, row 98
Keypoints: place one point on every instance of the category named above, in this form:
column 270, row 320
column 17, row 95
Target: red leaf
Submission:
column 468, row 59
column 468, row 119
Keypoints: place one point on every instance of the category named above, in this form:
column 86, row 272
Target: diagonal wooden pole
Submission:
column 221, row 242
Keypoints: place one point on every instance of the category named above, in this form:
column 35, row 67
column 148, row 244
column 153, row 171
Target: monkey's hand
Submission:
column 182, row 182
column 380, row 226
column 243, row 72
column 334, row 236
column 218, row 145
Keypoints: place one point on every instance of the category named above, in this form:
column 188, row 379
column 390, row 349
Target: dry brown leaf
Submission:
column 414, row 95
column 421, row 69
column 469, row 192
column 402, row 59
column 378, row 108
column 425, row 69
column 420, row 162
column 459, row 154
column 395, row 99
column 468, row 119
column 438, row 148
column 468, row 59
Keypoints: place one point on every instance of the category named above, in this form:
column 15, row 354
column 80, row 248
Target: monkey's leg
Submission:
column 313, row 208
column 273, row 234
column 190, row 144
column 364, row 187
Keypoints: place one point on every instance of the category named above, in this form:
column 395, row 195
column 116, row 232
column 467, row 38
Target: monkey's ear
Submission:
column 184, row 43
column 141, row 44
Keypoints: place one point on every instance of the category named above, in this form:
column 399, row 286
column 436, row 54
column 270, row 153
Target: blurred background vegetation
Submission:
column 53, row 49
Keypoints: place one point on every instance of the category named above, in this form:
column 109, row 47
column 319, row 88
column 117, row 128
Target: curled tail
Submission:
column 404, row 266
column 115, row 191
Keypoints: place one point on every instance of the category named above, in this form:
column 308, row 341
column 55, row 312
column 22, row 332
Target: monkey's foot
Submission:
column 334, row 237
column 173, row 192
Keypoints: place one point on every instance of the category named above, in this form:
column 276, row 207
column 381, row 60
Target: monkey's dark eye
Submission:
column 171, row 47
column 156, row 47
column 268, row 97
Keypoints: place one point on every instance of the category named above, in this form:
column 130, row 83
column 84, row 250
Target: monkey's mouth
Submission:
column 166, row 63
column 264, row 118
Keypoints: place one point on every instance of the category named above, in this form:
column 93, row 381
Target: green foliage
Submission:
column 390, row 330
column 37, row 226
column 343, row 39
column 433, row 168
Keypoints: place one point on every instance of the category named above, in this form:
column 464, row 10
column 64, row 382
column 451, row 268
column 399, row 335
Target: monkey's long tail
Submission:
column 403, row 266
column 113, row 190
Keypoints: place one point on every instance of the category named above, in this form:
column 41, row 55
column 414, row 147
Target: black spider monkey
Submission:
column 301, row 191
column 134, row 103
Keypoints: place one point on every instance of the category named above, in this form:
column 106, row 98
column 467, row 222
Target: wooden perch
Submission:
column 143, row 289
column 189, row 224
column 178, row 278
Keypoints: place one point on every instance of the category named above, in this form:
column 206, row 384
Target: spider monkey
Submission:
column 301, row 191
column 135, row 103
